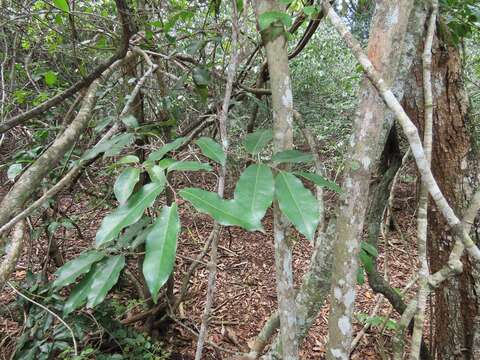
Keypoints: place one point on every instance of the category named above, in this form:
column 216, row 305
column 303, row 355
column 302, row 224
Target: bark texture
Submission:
column 385, row 47
column 455, row 167
column 282, row 105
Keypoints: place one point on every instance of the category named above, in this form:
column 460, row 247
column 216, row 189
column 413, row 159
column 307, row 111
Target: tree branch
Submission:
column 409, row 129
column 123, row 14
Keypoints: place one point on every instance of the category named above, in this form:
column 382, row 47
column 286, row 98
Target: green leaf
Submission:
column 292, row 156
column 201, row 77
column 109, row 147
column 130, row 121
column 375, row 320
column 13, row 171
column 128, row 213
column 255, row 142
column 189, row 166
column 50, row 78
column 320, row 181
column 128, row 159
column 160, row 249
column 76, row 267
column 160, row 153
column 165, row 163
column 156, row 173
column 369, row 248
column 105, row 277
column 268, row 18
column 239, row 6
column 297, row 203
column 225, row 212
column 141, row 237
column 62, row 5
column 125, row 184
column 391, row 324
column 366, row 261
column 79, row 294
column 212, row 150
column 360, row 276
column 310, row 10
column 254, row 192
column 125, row 239
column 117, row 146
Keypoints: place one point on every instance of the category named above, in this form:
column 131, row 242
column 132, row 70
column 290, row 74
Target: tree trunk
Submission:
column 454, row 165
column 385, row 47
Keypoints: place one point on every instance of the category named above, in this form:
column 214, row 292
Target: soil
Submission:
column 245, row 294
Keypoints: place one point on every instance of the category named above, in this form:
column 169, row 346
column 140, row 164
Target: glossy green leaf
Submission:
column 292, row 156
column 125, row 184
column 128, row 159
column 62, row 5
column 160, row 249
column 105, row 277
column 212, row 150
column 255, row 142
column 297, row 203
column 79, row 294
column 141, row 237
column 174, row 145
column 76, row 267
column 156, row 173
column 189, row 166
column 128, row 213
column 254, row 192
column 128, row 236
column 225, row 212
column 320, row 181
column 165, row 163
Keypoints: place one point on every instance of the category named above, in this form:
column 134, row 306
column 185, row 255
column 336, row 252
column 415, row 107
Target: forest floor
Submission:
column 246, row 294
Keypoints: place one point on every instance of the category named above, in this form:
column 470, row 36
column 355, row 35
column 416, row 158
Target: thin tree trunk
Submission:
column 282, row 106
column 388, row 29
column 217, row 229
column 422, row 221
column 316, row 282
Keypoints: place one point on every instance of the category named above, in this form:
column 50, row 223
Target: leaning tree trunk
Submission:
column 454, row 165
